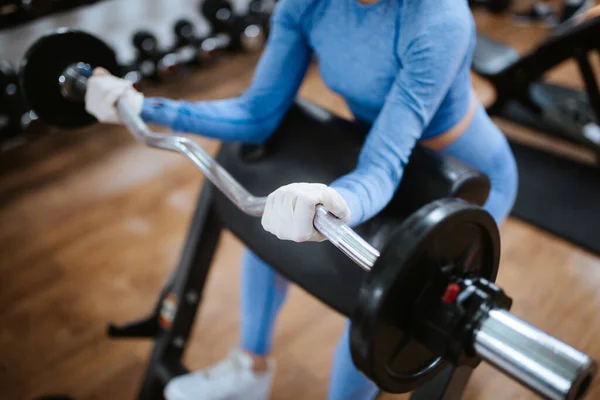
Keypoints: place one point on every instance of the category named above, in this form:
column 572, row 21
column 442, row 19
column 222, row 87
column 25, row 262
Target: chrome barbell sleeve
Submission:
column 546, row 365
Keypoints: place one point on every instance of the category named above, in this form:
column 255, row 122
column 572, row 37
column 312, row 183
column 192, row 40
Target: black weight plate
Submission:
column 448, row 232
column 46, row 60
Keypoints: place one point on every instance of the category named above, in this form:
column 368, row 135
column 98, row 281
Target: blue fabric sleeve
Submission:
column 430, row 61
column 255, row 115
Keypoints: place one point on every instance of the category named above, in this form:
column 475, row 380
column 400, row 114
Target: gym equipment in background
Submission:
column 247, row 32
column 259, row 11
column 522, row 95
column 423, row 308
column 493, row 6
column 556, row 193
column 229, row 32
column 218, row 13
column 151, row 62
column 196, row 50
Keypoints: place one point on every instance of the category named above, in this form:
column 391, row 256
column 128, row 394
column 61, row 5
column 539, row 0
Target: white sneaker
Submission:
column 230, row 379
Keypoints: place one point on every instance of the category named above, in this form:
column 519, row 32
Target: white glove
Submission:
column 103, row 91
column 290, row 210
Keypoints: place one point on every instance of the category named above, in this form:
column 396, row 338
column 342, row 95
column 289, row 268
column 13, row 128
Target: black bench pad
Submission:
column 312, row 145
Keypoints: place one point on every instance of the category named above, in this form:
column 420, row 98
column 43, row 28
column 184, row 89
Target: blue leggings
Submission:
column 482, row 146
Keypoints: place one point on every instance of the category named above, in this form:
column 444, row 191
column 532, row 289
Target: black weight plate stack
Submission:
column 448, row 233
column 44, row 63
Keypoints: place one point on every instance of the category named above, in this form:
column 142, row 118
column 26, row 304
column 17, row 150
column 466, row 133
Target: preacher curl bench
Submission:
column 423, row 305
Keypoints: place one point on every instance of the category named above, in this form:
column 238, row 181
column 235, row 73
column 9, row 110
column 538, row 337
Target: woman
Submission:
column 402, row 65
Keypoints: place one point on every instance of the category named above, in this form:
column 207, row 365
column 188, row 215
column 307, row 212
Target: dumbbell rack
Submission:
column 152, row 65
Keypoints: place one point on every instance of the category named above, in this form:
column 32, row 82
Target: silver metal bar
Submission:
column 336, row 231
column 544, row 364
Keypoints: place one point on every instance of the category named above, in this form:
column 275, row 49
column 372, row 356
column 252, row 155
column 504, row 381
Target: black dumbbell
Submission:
column 255, row 7
column 151, row 61
column 185, row 33
column 191, row 49
column 219, row 13
column 187, row 42
column 247, row 32
column 211, row 46
column 261, row 11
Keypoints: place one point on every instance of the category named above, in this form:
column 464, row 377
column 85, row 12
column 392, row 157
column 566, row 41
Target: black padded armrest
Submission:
column 430, row 176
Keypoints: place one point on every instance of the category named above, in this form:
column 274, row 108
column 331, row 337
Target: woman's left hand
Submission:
column 290, row 210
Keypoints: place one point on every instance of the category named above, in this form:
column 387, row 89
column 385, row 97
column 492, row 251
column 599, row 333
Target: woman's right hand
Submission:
column 103, row 91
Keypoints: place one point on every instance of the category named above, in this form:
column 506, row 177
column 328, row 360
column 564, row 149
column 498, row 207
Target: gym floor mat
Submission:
column 559, row 195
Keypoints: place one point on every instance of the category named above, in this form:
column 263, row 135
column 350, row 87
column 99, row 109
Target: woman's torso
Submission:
column 357, row 50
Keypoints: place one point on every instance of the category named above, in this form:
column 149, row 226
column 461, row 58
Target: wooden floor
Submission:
column 91, row 223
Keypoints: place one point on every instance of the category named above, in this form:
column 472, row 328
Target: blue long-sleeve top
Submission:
column 402, row 65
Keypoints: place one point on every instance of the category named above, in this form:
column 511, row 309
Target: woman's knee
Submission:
column 504, row 181
column 484, row 147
